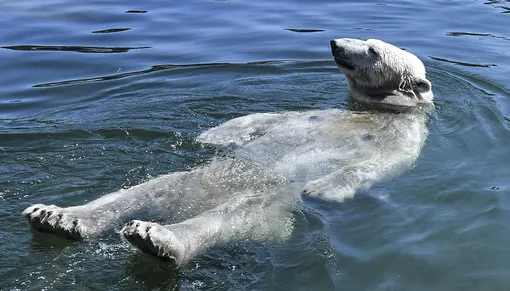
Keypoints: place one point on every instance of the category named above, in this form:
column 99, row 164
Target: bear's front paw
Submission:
column 54, row 220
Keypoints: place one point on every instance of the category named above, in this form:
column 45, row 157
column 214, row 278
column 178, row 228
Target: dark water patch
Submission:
column 49, row 133
column 304, row 30
column 9, row 124
column 463, row 63
column 142, row 134
column 111, row 30
column 33, row 120
column 151, row 273
column 79, row 49
column 9, row 139
column 476, row 34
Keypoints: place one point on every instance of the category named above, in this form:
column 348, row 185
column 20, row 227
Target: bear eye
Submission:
column 372, row 50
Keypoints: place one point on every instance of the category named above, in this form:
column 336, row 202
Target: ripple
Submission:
column 458, row 33
column 304, row 30
column 463, row 63
column 78, row 49
column 157, row 68
column 365, row 29
column 136, row 11
column 111, row 30
column 494, row 2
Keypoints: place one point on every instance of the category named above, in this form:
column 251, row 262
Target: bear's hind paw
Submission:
column 54, row 220
column 153, row 239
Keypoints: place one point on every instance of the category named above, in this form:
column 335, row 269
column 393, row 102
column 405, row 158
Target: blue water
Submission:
column 100, row 95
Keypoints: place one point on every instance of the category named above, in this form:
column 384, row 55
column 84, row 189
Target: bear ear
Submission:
column 421, row 85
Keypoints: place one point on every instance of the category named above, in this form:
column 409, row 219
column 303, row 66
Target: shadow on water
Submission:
column 50, row 244
column 153, row 273
column 79, row 49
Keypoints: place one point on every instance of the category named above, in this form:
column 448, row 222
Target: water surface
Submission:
column 106, row 94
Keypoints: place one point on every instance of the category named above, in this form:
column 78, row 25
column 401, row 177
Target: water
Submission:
column 106, row 94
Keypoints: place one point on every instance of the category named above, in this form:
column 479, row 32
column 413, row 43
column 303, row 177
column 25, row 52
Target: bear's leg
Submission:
column 256, row 218
column 181, row 194
column 92, row 218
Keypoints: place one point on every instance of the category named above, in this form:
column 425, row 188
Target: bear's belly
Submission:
column 334, row 151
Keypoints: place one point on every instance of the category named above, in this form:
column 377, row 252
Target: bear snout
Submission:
column 335, row 48
column 333, row 44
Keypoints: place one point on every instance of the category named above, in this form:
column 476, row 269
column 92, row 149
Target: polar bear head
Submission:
column 380, row 73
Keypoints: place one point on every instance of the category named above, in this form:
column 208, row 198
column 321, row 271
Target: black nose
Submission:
column 333, row 44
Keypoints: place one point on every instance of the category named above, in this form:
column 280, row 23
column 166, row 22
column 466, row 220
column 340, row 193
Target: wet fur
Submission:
column 276, row 158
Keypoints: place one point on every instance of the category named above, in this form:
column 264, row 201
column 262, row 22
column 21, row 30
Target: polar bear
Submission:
column 267, row 162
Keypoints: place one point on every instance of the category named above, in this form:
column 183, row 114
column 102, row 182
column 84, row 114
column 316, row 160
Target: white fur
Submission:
column 383, row 70
column 275, row 159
